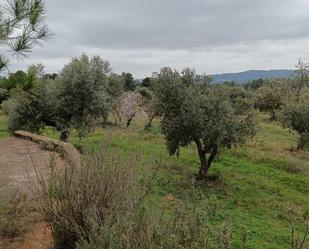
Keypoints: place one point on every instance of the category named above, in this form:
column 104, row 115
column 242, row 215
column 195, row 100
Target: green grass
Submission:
column 261, row 186
column 4, row 133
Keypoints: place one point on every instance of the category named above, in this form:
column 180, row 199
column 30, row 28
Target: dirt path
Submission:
column 39, row 237
column 18, row 159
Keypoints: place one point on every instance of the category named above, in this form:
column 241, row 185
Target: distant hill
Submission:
column 244, row 77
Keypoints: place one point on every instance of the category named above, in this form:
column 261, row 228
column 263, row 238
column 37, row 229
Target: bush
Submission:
column 32, row 110
column 4, row 94
column 272, row 96
column 13, row 209
column 96, row 193
column 182, row 229
column 296, row 117
column 101, row 204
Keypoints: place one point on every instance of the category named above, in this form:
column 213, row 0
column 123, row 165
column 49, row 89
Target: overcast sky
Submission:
column 140, row 36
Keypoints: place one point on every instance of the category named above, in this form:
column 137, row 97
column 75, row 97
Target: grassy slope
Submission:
column 262, row 186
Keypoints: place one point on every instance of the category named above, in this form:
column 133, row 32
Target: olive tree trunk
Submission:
column 204, row 162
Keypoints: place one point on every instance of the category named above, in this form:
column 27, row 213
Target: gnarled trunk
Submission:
column 205, row 163
column 202, row 156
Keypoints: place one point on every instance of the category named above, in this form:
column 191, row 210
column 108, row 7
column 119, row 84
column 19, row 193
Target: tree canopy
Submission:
column 194, row 111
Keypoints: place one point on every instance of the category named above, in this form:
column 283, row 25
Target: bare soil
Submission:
column 19, row 160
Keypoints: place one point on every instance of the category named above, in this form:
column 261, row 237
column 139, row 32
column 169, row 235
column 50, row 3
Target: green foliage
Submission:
column 183, row 229
column 129, row 83
column 273, row 95
column 22, row 27
column 255, row 84
column 295, row 115
column 79, row 99
column 82, row 98
column 31, row 110
column 52, row 76
column 150, row 104
column 22, row 81
column 16, row 79
column 193, row 111
column 4, row 94
column 147, row 82
column 115, row 85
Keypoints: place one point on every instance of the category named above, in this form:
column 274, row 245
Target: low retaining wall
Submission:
column 69, row 152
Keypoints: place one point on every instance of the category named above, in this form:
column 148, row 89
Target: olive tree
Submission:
column 194, row 111
column 32, row 110
column 82, row 98
column 22, row 27
column 78, row 99
column 271, row 96
column 295, row 115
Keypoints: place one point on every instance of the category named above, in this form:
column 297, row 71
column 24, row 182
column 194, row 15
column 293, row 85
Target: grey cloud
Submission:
column 142, row 35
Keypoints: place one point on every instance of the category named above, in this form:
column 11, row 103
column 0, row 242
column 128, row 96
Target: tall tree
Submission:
column 83, row 99
column 22, row 27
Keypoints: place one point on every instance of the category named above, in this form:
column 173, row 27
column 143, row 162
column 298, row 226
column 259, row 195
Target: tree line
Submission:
column 87, row 94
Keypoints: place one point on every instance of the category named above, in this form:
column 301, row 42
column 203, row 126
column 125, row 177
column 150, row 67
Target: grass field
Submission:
column 262, row 187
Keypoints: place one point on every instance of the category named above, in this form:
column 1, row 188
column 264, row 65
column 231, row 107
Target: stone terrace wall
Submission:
column 69, row 152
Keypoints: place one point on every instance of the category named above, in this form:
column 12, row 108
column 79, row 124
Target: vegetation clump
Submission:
column 102, row 204
column 296, row 117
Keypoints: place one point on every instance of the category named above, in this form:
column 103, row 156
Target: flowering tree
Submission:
column 131, row 103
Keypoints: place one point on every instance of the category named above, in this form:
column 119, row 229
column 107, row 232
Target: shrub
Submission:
column 97, row 193
column 296, row 117
column 13, row 209
column 32, row 110
column 100, row 204
column 272, row 96
column 182, row 229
